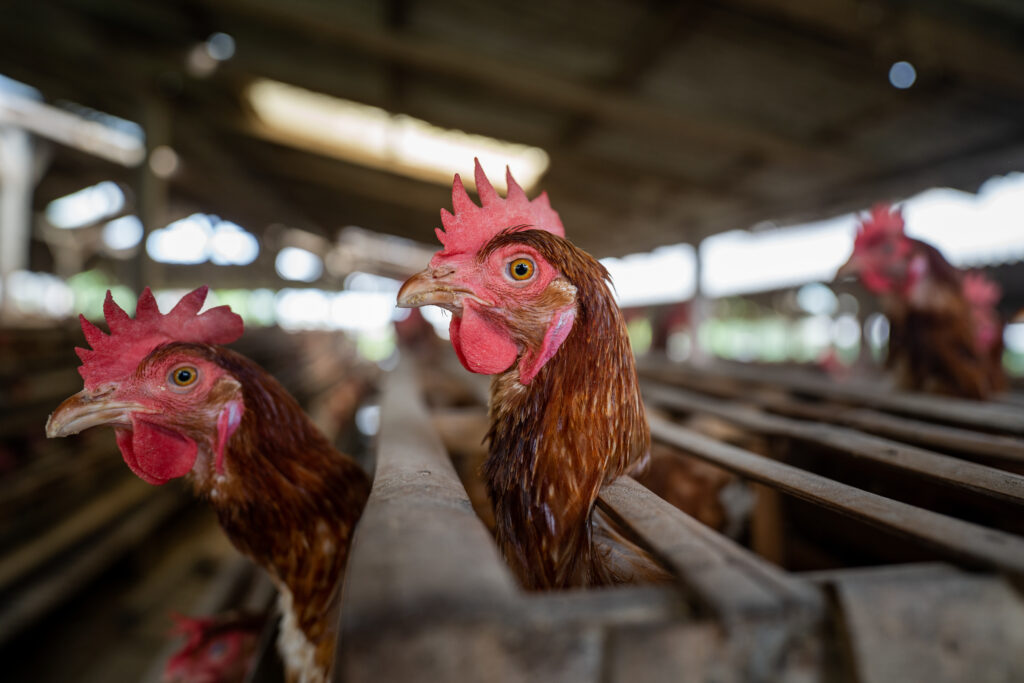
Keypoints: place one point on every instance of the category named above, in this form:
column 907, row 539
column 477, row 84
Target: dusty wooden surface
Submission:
column 950, row 470
column 932, row 624
column 429, row 598
column 982, row 416
column 919, row 431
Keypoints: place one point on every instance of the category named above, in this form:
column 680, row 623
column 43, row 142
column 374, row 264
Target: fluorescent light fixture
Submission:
column 87, row 206
column 183, row 242
column 293, row 263
column 230, row 245
column 122, row 233
column 202, row 237
column 377, row 138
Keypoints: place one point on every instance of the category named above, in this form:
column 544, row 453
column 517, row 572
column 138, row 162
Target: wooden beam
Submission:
column 993, row 417
column 965, row 542
column 979, row 56
column 657, row 33
column 541, row 89
column 960, row 474
column 966, row 442
column 420, row 553
column 731, row 581
column 930, row 624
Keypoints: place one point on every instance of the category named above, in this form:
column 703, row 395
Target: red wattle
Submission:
column 556, row 334
column 156, row 455
column 228, row 421
column 481, row 346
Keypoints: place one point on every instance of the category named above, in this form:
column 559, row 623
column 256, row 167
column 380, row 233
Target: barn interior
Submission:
column 716, row 156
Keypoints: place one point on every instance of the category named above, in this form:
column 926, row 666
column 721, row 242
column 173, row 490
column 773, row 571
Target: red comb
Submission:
column 114, row 356
column 882, row 219
column 472, row 226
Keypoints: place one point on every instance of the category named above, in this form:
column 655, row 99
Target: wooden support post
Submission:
column 152, row 190
column 700, row 311
column 16, row 186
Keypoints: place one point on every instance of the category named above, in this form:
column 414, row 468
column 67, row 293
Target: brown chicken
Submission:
column 217, row 649
column 938, row 339
column 182, row 407
column 566, row 415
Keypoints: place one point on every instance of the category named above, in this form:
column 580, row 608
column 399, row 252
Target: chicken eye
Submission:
column 521, row 269
column 183, row 376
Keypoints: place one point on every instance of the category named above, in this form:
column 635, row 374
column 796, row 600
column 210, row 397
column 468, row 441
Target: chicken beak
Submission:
column 431, row 286
column 89, row 409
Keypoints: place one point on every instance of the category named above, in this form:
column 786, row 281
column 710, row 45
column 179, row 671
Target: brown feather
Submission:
column 932, row 339
column 288, row 499
column 578, row 425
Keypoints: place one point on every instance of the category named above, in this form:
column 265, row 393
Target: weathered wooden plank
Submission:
column 732, row 582
column 52, row 469
column 984, row 416
column 83, row 523
column 621, row 605
column 932, row 625
column 952, row 471
column 419, row 553
column 996, row 447
column 30, row 603
column 701, row 651
column 953, row 538
column 989, row 447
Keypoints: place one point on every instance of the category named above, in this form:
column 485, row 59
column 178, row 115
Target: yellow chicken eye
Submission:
column 521, row 269
column 184, row 376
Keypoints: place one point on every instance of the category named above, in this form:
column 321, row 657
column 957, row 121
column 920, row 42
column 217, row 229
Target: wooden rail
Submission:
column 53, row 585
column 994, row 417
column 949, row 470
column 427, row 596
column 971, row 543
column 731, row 581
column 946, row 438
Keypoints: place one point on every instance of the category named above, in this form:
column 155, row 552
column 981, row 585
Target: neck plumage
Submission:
column 554, row 442
column 288, row 499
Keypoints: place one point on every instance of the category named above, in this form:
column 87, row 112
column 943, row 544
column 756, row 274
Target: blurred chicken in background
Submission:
column 945, row 333
column 217, row 649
